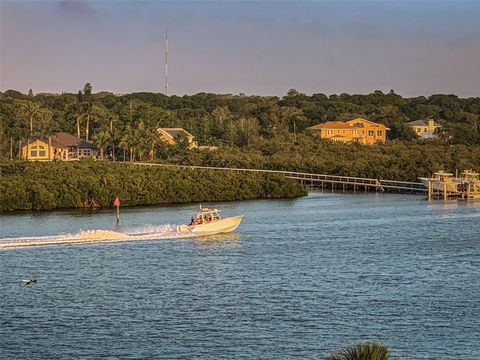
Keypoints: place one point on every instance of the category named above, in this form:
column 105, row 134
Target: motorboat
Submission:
column 441, row 181
column 208, row 222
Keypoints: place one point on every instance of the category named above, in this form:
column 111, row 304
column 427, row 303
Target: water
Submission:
column 298, row 279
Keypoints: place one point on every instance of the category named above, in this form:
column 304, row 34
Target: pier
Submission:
column 444, row 185
column 321, row 181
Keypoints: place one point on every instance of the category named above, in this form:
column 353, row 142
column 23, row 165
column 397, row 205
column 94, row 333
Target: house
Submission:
column 359, row 130
column 172, row 135
column 334, row 130
column 368, row 132
column 59, row 146
column 425, row 129
column 42, row 149
column 77, row 148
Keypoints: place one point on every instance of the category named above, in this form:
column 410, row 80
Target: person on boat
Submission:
column 192, row 221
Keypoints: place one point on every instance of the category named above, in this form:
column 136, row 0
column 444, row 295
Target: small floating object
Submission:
column 30, row 281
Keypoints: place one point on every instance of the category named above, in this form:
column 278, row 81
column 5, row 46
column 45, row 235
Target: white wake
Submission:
column 148, row 232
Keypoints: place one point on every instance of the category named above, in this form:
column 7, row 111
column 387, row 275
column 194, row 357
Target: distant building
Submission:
column 60, row 146
column 334, row 130
column 368, row 132
column 425, row 129
column 172, row 135
column 77, row 148
column 359, row 130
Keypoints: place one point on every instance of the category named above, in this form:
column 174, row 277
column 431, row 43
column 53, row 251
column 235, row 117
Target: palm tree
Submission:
column 129, row 142
column 102, row 139
column 92, row 111
column 363, row 351
column 30, row 110
column 75, row 111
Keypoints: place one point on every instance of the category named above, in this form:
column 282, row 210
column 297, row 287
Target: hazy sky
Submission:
column 416, row 48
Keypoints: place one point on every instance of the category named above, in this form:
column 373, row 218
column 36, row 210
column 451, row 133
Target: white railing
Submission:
column 331, row 179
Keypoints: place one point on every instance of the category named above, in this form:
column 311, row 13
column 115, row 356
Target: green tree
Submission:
column 87, row 90
column 30, row 110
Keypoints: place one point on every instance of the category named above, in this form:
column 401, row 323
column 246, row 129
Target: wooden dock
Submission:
column 324, row 182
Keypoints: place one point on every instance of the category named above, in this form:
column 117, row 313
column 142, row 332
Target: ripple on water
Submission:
column 297, row 280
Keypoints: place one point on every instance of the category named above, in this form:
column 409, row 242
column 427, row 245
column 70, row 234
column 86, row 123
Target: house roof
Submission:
column 362, row 120
column 44, row 140
column 62, row 140
column 357, row 120
column 173, row 132
column 86, row 145
column 420, row 123
column 331, row 125
column 417, row 122
column 66, row 139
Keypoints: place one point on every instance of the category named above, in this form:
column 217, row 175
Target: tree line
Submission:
column 48, row 186
column 265, row 131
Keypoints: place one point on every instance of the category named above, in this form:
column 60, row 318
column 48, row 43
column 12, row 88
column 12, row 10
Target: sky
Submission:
column 252, row 47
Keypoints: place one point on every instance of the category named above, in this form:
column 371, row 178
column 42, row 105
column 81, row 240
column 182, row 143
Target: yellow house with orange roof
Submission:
column 368, row 132
column 360, row 130
column 334, row 130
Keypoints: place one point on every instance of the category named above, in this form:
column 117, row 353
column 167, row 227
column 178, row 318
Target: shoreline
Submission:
column 28, row 186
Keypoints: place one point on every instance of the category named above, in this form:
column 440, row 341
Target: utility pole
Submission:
column 166, row 61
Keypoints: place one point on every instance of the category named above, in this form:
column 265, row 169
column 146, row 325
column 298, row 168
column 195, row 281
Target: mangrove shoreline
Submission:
column 83, row 184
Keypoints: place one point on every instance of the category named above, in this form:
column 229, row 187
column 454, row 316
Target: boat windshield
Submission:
column 205, row 216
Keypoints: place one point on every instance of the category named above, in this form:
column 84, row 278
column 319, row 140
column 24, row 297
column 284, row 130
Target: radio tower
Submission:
column 166, row 61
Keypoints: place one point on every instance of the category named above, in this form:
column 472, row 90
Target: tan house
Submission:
column 60, row 146
column 368, row 132
column 171, row 136
column 43, row 149
column 360, row 130
column 334, row 130
column 425, row 129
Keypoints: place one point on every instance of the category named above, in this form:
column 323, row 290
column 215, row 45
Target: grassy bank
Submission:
column 48, row 186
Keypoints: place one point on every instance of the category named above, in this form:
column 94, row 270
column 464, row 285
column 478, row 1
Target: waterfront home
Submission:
column 359, row 130
column 59, row 146
column 334, row 130
column 425, row 129
column 172, row 135
column 368, row 132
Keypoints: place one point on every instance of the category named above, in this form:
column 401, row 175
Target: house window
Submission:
column 37, row 151
column 379, row 132
column 371, row 132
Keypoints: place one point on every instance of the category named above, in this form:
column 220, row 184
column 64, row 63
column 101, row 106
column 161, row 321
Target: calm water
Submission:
column 298, row 279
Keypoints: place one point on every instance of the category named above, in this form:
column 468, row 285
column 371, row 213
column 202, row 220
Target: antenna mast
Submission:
column 166, row 61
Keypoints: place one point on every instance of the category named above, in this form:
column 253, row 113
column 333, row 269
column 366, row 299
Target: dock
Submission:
column 445, row 185
column 322, row 181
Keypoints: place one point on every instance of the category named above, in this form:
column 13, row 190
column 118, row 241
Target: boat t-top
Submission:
column 208, row 222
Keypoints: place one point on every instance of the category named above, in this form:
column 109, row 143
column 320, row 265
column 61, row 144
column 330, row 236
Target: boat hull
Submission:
column 224, row 225
column 439, row 185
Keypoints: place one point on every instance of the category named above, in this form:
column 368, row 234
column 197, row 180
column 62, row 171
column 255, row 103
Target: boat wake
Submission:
column 149, row 232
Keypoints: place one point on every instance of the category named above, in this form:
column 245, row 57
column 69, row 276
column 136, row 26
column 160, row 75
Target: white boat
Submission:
column 208, row 222
column 441, row 181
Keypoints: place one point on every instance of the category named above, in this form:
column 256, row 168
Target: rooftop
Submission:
column 331, row 125
column 173, row 132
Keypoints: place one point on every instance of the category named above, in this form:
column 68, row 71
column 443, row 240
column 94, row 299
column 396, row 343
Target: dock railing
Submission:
column 334, row 181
